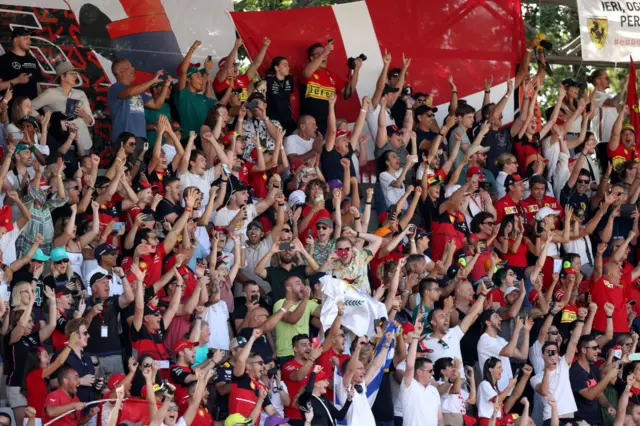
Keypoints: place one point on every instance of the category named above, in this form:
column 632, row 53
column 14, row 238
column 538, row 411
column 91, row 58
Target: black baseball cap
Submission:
column 102, row 181
column 104, row 249
column 511, row 179
column 257, row 95
column 19, row 32
column 98, row 276
column 569, row 82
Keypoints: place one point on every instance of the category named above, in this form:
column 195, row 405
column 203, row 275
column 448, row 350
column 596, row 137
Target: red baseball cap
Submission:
column 115, row 380
column 474, row 171
column 183, row 344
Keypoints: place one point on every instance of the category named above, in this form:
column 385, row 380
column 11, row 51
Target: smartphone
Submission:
column 225, row 169
column 319, row 198
column 557, row 266
column 251, row 104
column 98, row 300
column 255, row 298
column 11, row 85
column 309, row 233
column 315, row 343
column 330, row 41
column 286, row 246
column 617, row 352
column 626, row 210
column 209, row 58
column 17, row 136
column 152, row 249
column 482, row 246
column 118, row 226
column 145, row 146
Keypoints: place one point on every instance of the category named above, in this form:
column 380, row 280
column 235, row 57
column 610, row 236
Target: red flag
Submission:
column 632, row 101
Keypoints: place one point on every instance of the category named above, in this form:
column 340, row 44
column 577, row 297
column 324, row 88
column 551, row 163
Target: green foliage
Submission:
column 561, row 26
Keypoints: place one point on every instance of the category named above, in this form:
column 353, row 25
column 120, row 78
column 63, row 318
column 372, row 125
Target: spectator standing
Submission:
column 279, row 90
column 18, row 67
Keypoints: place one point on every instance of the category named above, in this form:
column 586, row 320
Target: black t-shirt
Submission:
column 279, row 101
column 277, row 275
column 429, row 210
column 330, row 164
column 223, row 375
column 581, row 379
column 469, row 342
column 12, row 65
column 16, row 356
column 70, row 158
column 382, row 410
column 97, row 344
column 165, row 207
column 260, row 346
column 157, row 179
column 500, row 142
column 569, row 195
column 179, row 374
column 62, row 281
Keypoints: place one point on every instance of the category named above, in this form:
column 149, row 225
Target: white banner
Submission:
column 609, row 30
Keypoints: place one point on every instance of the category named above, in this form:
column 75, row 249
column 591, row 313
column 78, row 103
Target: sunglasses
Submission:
column 430, row 115
column 321, row 228
column 584, row 181
column 554, row 333
column 489, row 223
column 443, row 344
column 551, row 352
column 147, row 365
column 61, row 261
column 83, row 333
column 594, row 347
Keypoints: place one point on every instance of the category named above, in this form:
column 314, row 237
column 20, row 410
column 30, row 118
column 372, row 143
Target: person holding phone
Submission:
column 18, row 68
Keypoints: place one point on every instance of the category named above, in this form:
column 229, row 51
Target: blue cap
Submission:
column 59, row 253
column 40, row 256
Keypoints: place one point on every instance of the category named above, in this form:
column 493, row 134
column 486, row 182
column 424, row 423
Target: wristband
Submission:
column 487, row 91
column 356, row 218
column 409, row 109
column 197, row 317
column 483, row 294
column 363, row 110
column 281, row 204
column 529, row 50
column 118, row 159
column 5, row 101
column 609, row 316
column 283, row 310
column 454, row 91
column 188, row 209
column 367, row 203
column 357, row 234
column 441, row 134
column 580, row 320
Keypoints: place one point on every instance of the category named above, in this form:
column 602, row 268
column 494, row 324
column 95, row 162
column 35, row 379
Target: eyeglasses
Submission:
column 594, row 347
column 257, row 362
column 443, row 344
column 83, row 333
column 321, row 228
column 489, row 223
column 584, row 181
column 61, row 261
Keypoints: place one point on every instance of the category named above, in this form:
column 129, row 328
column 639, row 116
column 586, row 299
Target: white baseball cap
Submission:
column 546, row 211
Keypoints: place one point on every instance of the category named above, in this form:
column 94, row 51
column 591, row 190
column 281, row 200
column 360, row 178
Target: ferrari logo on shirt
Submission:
column 607, row 284
column 511, row 210
column 533, row 208
column 315, row 76
column 253, row 386
column 317, row 91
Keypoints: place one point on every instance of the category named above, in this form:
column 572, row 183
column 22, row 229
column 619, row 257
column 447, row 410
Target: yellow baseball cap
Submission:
column 236, row 419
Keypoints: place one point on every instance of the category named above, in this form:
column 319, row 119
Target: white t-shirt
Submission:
column 559, row 388
column 294, row 144
column 419, row 404
column 391, row 194
column 604, row 117
column 448, row 346
column 454, row 403
column 226, row 215
column 252, row 257
column 203, row 183
column 217, row 316
column 8, row 245
column 276, row 401
column 179, row 422
column 359, row 413
column 491, row 346
column 486, row 393
column 535, row 356
column 372, row 120
column 395, row 389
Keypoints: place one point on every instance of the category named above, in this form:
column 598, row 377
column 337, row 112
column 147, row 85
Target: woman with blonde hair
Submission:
column 62, row 274
column 507, row 164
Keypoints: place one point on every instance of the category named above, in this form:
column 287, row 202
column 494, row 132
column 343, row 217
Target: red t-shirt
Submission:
column 152, row 263
column 240, row 84
column 312, row 223
column 532, row 206
column 620, row 155
column 60, row 397
column 603, row 291
column 321, row 84
column 497, row 296
column 292, row 410
column 36, row 391
column 523, row 149
column 519, row 258
column 505, row 206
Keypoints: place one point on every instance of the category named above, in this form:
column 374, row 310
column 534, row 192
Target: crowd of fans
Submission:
column 183, row 283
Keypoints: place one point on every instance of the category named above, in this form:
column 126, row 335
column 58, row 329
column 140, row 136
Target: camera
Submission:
column 407, row 91
column 351, row 62
column 484, row 185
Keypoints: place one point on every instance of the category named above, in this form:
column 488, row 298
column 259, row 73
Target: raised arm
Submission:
column 253, row 69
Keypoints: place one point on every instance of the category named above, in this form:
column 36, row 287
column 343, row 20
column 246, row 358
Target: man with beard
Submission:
column 510, row 203
column 245, row 383
column 325, row 243
column 477, row 155
column 605, row 105
column 444, row 341
column 181, row 373
column 296, row 318
column 278, row 275
column 65, row 399
column 492, row 345
column 295, row 373
column 18, row 67
column 222, row 379
column 18, row 177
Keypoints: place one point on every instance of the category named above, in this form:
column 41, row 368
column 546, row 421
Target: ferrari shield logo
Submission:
column 598, row 28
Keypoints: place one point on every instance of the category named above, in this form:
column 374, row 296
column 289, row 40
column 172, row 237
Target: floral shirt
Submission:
column 355, row 272
column 41, row 221
column 321, row 253
column 257, row 128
